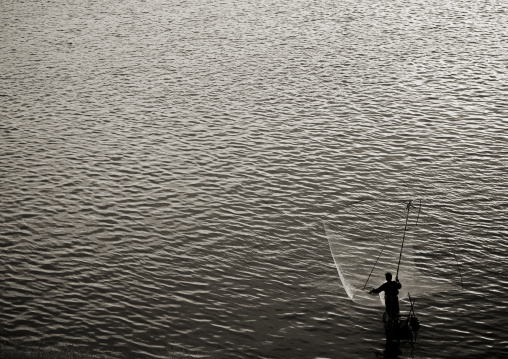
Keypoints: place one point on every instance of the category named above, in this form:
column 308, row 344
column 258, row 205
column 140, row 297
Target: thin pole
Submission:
column 408, row 207
column 375, row 264
column 412, row 310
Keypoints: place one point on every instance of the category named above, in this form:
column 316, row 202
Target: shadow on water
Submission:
column 395, row 349
column 391, row 351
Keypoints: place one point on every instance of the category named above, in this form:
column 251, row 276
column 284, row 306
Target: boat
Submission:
column 402, row 327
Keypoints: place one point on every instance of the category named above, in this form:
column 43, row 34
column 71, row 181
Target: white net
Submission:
column 365, row 242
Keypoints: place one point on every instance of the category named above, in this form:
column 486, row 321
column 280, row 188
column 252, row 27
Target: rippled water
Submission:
column 166, row 165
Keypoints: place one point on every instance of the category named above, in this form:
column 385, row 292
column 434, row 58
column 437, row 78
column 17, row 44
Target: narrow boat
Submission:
column 402, row 327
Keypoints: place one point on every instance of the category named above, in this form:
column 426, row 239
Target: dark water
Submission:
column 166, row 165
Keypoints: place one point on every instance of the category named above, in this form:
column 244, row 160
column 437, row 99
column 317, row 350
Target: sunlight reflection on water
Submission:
column 167, row 165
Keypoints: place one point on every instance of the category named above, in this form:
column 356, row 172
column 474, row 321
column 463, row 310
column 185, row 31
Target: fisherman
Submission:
column 391, row 290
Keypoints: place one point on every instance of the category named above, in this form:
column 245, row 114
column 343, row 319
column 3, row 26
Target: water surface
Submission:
column 166, row 167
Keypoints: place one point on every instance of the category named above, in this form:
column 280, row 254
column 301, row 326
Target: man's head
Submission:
column 388, row 276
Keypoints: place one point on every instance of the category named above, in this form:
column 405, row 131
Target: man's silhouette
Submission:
column 391, row 290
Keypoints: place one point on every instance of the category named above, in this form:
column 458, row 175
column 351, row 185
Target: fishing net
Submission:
column 366, row 239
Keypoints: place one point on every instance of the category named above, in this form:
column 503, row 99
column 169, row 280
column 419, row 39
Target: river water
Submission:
column 166, row 167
